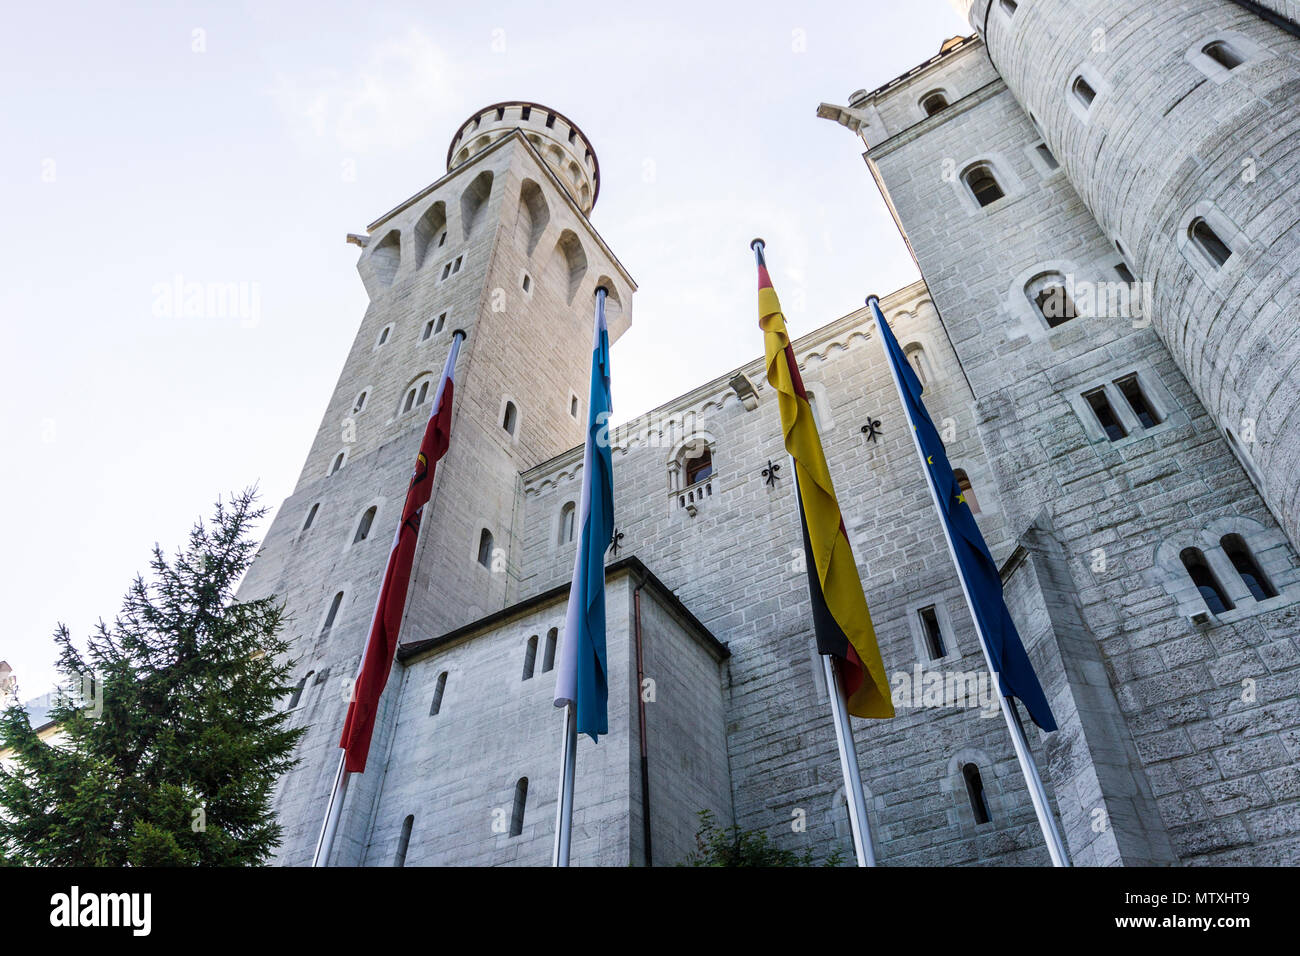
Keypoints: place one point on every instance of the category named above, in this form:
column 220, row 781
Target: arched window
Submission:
column 699, row 467
column 530, row 658
column 1239, row 553
column 510, row 418
column 1083, row 92
column 338, row 462
column 1216, row 599
column 404, row 841
column 517, row 814
column 360, row 403
column 333, row 613
column 485, row 548
column 983, row 185
column 311, row 516
column 1223, row 53
column 363, row 526
column 1208, row 241
column 920, row 363
column 548, row 655
column 568, row 516
column 410, row 401
column 934, row 102
column 1050, row 298
column 424, row 393
column 967, row 492
column 383, row 335
column 975, row 790
column 438, row 690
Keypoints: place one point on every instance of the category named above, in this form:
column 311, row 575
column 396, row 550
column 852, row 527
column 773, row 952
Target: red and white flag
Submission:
column 382, row 644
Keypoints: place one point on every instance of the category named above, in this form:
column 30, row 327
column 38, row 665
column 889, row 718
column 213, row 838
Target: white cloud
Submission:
column 399, row 95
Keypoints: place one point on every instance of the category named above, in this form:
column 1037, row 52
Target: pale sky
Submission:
column 240, row 143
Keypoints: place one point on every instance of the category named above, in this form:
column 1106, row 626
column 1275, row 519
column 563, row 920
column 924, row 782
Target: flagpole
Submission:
column 862, row 846
column 564, row 805
column 1033, row 782
column 860, row 827
column 339, row 791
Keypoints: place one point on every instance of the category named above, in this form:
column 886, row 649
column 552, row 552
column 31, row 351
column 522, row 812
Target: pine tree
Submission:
column 172, row 738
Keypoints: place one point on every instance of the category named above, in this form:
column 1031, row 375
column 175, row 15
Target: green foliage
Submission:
column 170, row 746
column 732, row 846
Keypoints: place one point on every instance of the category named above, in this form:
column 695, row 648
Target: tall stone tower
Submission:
column 1041, row 172
column 1186, row 155
column 502, row 248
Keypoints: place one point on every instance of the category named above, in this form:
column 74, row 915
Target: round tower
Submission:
column 556, row 137
column 1176, row 121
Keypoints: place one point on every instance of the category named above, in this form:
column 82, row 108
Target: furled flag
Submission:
column 582, row 678
column 974, row 563
column 382, row 643
column 840, row 615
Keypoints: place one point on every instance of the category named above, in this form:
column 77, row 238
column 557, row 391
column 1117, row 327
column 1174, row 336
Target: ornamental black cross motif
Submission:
column 618, row 536
column 872, row 428
column 770, row 473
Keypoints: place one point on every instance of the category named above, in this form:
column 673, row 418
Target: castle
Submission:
column 1100, row 198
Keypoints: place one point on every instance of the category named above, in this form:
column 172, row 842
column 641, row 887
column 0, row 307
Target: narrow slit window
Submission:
column 548, row 654
column 530, row 658
column 967, row 492
column 1008, row 7
column 517, row 813
column 1106, row 416
column 383, row 336
column 567, row 515
column 1125, row 273
column 296, row 697
column 311, row 516
column 1208, row 241
column 424, row 393
column 332, row 613
column 573, row 406
column 1223, row 53
column 1198, row 569
column 1046, row 156
column 1083, row 92
column 410, row 401
column 360, row 403
column 363, row 527
column 404, row 841
column 1132, row 391
column 528, row 282
column 485, row 548
column 979, row 802
column 442, row 320
column 510, row 418
column 455, row 266
column 934, row 642
column 338, row 462
column 439, row 689
column 428, row 331
column 1239, row 553
column 442, row 238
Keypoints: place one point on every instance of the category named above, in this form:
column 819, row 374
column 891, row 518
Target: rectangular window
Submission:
column 1106, row 416
column 446, row 270
column 428, row 330
column 933, row 633
column 1131, row 389
column 1046, row 156
column 442, row 320
column 455, row 267
column 1124, row 272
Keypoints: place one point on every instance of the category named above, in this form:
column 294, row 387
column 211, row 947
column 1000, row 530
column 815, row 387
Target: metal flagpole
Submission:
column 564, row 805
column 334, row 810
column 862, row 846
column 1034, row 783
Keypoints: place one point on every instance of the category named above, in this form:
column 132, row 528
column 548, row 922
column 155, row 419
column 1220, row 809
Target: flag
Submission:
column 974, row 563
column 840, row 616
column 382, row 643
column 582, row 678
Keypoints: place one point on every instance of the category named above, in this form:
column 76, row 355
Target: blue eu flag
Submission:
column 974, row 563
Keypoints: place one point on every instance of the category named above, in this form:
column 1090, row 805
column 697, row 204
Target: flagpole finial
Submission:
column 873, row 298
column 461, row 333
column 757, row 242
column 602, row 288
column 758, row 245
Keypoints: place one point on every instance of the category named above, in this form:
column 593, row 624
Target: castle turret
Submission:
column 1175, row 121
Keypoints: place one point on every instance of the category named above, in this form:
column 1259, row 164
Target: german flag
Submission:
column 840, row 614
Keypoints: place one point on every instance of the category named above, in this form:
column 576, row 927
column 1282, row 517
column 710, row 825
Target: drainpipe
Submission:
column 1277, row 19
column 640, row 706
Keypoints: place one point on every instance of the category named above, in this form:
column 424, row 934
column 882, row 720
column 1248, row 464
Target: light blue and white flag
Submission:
column 582, row 675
